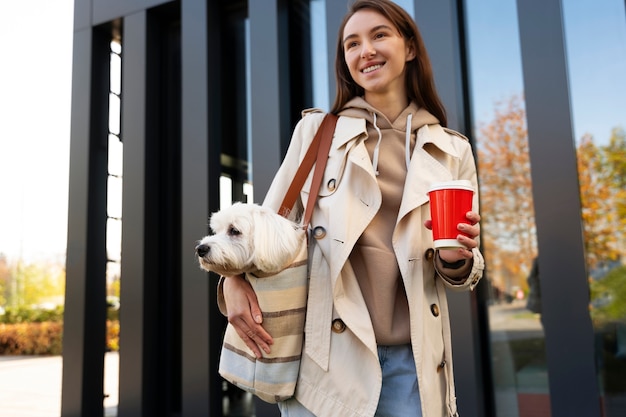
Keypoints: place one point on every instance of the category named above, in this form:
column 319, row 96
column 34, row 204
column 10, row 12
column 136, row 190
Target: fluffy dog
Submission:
column 249, row 238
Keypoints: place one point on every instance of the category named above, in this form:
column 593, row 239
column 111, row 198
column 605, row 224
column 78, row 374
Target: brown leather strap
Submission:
column 316, row 154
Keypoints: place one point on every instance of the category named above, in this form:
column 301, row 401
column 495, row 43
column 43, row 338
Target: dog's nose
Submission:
column 202, row 250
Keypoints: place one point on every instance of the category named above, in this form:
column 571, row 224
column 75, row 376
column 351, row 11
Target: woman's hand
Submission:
column 467, row 237
column 245, row 315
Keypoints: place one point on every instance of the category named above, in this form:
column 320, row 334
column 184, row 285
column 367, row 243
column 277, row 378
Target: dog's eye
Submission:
column 232, row 231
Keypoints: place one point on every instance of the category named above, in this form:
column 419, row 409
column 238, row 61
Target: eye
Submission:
column 350, row 45
column 233, row 231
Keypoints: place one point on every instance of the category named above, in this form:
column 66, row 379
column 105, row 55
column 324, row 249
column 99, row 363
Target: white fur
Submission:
column 249, row 238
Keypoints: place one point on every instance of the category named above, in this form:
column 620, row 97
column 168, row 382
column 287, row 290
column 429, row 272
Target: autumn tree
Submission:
column 598, row 213
column 616, row 164
column 508, row 224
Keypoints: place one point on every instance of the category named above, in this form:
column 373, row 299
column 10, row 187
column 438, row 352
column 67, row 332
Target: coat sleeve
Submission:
column 466, row 171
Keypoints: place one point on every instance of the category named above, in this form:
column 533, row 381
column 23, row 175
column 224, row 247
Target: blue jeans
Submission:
column 399, row 396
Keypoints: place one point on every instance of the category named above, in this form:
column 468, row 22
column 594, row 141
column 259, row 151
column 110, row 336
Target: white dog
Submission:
column 249, row 238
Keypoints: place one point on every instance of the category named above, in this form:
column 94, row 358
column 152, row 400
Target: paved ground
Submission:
column 30, row 386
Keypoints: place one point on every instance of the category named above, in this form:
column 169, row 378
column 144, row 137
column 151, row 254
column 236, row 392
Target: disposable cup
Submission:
column 449, row 203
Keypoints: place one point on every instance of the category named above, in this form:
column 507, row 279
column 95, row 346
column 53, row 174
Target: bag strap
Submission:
column 316, row 154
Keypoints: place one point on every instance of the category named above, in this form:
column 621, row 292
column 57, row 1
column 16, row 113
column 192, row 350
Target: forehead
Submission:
column 365, row 20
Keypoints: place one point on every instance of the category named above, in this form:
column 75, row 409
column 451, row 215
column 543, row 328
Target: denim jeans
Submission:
column 399, row 396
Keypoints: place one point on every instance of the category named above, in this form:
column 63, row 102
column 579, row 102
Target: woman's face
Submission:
column 376, row 54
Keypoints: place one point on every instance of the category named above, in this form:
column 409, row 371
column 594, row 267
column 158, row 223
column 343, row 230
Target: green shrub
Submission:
column 14, row 315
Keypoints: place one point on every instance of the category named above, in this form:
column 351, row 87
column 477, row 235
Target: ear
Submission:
column 410, row 51
column 276, row 241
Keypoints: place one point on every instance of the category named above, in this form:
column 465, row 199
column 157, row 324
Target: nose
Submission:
column 367, row 50
column 202, row 250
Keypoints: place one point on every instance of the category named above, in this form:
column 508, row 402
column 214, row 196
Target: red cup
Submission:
column 449, row 203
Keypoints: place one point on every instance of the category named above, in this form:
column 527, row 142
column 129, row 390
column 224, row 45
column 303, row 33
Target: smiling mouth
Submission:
column 372, row 68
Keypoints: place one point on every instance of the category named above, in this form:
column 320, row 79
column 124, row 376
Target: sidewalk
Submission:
column 30, row 386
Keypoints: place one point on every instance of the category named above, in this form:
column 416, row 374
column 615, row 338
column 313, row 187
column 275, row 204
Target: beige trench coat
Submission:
column 340, row 374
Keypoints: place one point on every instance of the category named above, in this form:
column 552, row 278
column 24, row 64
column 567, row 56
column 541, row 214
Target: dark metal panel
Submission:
column 85, row 304
column 265, row 105
column 198, row 376
column 564, row 286
column 82, row 14
column 107, row 10
column 440, row 26
column 264, row 94
column 439, row 23
column 77, row 227
column 132, row 294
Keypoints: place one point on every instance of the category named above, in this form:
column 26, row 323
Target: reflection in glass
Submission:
column 508, row 232
column 596, row 52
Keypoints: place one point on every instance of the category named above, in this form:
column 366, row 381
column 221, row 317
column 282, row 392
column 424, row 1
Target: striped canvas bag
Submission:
column 282, row 298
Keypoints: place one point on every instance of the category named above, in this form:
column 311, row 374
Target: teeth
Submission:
column 372, row 68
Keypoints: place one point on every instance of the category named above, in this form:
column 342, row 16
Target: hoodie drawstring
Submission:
column 376, row 149
column 407, row 144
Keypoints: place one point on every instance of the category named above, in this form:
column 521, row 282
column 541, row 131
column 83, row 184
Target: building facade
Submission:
column 181, row 107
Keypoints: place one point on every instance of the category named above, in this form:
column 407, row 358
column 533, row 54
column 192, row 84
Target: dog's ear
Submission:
column 276, row 241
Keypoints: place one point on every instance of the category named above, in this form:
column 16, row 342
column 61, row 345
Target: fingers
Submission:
column 467, row 237
column 473, row 217
column 253, row 335
column 245, row 315
column 255, row 310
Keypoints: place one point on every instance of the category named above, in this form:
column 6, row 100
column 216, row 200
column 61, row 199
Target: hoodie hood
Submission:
column 359, row 108
column 408, row 121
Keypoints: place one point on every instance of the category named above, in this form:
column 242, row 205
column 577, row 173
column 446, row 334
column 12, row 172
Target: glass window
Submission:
column 516, row 337
column 596, row 54
column 113, row 229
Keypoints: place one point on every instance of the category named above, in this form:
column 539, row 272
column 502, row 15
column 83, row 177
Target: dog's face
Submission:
column 249, row 238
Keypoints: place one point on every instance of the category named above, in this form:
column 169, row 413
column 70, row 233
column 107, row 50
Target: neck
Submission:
column 391, row 107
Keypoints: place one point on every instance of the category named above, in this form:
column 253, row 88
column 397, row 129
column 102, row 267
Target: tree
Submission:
column 508, row 224
column 598, row 214
column 36, row 283
column 616, row 163
column 5, row 278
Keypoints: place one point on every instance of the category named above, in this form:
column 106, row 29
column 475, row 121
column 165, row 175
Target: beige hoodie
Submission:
column 390, row 144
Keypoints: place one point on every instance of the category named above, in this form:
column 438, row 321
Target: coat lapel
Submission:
column 424, row 168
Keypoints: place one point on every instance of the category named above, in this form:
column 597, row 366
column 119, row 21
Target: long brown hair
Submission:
column 420, row 83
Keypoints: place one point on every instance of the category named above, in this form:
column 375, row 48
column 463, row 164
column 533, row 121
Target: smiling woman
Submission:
column 35, row 120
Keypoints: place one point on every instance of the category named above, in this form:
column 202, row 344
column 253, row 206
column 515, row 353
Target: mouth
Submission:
column 371, row 68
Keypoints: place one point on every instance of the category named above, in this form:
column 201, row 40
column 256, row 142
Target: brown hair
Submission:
column 420, row 83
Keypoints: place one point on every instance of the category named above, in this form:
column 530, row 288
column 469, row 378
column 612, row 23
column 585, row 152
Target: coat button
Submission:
column 339, row 326
column 319, row 232
column 332, row 183
column 434, row 308
column 429, row 254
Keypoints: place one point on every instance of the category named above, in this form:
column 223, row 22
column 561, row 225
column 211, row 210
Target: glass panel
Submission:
column 596, row 52
column 113, row 231
column 508, row 228
column 319, row 55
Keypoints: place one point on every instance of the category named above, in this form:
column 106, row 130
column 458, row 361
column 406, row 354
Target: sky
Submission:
column 35, row 87
column 595, row 36
column 35, row 99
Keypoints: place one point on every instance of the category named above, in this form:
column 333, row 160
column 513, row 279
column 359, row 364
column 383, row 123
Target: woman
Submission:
column 377, row 337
